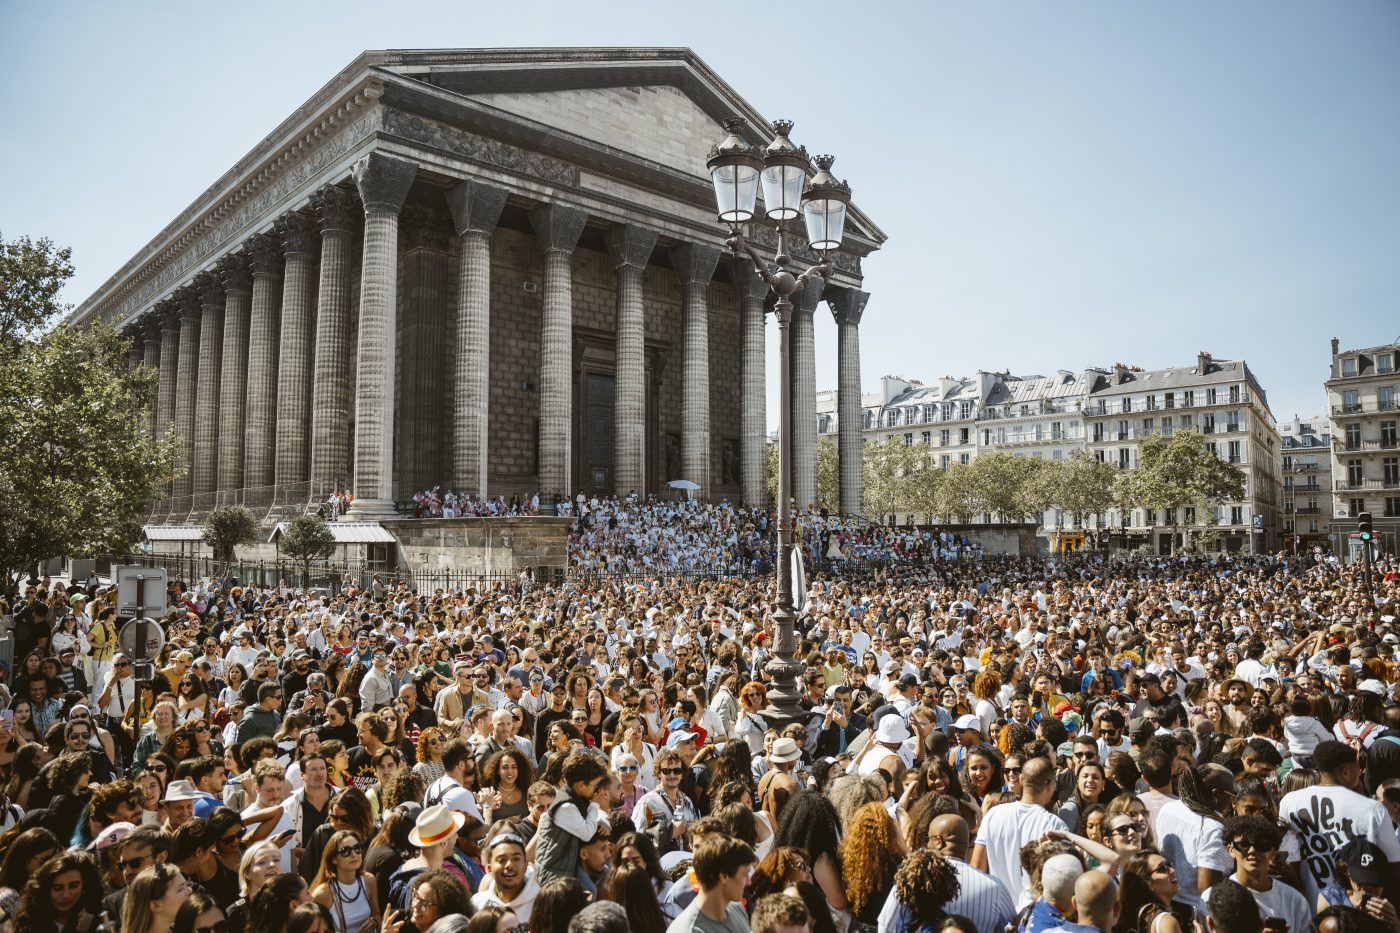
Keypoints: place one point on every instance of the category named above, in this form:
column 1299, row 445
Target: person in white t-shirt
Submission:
column 1190, row 833
column 1009, row 826
column 1323, row 818
column 1252, row 842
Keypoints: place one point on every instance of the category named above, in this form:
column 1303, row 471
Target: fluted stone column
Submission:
column 630, row 248
column 265, row 261
column 233, row 370
column 557, row 229
column 419, row 438
column 150, row 335
column 339, row 211
column 753, row 391
column 847, row 306
column 301, row 242
column 206, row 410
column 695, row 267
column 186, row 385
column 475, row 210
column 169, row 315
column 804, row 395
column 383, row 182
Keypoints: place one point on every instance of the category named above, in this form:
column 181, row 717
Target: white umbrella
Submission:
column 683, row 484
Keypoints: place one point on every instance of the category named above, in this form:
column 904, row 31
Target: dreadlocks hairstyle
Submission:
column 924, row 883
column 1196, row 793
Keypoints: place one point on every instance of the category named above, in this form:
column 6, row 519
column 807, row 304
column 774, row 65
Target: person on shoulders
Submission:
column 572, row 820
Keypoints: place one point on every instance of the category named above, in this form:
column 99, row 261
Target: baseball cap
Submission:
column 1365, row 861
column 968, row 721
column 677, row 738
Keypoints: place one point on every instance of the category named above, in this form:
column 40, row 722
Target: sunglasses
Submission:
column 80, row 736
column 219, row 927
column 435, row 740
column 347, row 851
column 340, row 816
column 132, row 864
column 235, row 839
column 672, row 770
column 627, row 767
column 158, row 768
column 1126, row 828
column 1010, row 770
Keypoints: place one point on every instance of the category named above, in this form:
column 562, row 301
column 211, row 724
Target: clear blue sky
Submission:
column 1063, row 184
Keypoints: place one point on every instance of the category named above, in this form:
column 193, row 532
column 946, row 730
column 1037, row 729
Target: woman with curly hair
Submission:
column 783, row 866
column 923, row 886
column 180, row 745
column 509, row 773
column 429, row 754
column 985, row 687
column 60, row 892
column 870, row 852
column 1089, row 783
column 24, row 854
column 809, row 823
column 982, row 774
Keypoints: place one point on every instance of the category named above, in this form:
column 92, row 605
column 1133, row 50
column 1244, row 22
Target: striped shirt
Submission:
column 981, row 899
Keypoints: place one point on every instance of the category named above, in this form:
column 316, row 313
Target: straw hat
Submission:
column 434, row 825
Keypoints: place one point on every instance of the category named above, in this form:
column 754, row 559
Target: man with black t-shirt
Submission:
column 1170, row 714
column 558, row 699
column 372, row 732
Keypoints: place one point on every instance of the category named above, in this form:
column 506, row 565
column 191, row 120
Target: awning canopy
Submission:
column 347, row 533
column 173, row 532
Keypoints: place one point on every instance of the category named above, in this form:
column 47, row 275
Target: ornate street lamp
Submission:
column 782, row 168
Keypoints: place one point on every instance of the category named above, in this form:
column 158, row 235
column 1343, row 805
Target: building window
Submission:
column 1234, row 394
column 1187, row 422
column 1169, row 400
column 1385, row 398
column 1210, row 396
column 1146, row 427
column 1208, row 423
column 986, row 437
column 1390, row 471
column 946, row 411
column 944, row 461
column 1151, row 402
column 1392, row 507
column 1167, row 426
column 1236, row 515
column 1351, row 400
column 1232, row 420
column 1188, row 398
column 1056, row 433
column 1355, row 507
column 1234, row 451
column 1123, row 454
column 1098, row 431
column 1385, row 363
column 1127, row 404
column 1151, row 517
column 1387, row 433
column 1099, row 455
column 964, row 459
column 965, row 410
column 1353, row 437
column 943, row 437
column 1312, row 526
column 1214, row 451
column 909, row 439
column 1349, row 366
column 1190, row 512
column 928, row 437
column 964, row 435
column 1354, row 473
column 1122, row 430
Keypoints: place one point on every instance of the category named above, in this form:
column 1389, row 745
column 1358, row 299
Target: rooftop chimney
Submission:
column 1203, row 362
column 1335, row 346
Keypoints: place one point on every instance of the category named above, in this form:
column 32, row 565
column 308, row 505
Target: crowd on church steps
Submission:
column 981, row 744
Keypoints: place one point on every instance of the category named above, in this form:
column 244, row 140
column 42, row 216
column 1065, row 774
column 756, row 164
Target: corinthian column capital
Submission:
column 210, row 288
column 847, row 304
column 630, row 245
column 265, row 255
column 187, row 300
column 475, row 207
column 383, row 182
column 557, row 227
column 337, row 207
column 299, row 233
column 233, row 270
column 695, row 262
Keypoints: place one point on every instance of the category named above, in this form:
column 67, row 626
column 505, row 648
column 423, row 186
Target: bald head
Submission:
column 1037, row 781
column 1096, row 899
column 948, row 836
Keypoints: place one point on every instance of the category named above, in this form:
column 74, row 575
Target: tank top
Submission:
column 351, row 906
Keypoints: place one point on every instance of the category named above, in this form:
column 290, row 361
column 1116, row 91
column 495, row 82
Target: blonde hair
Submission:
column 246, row 863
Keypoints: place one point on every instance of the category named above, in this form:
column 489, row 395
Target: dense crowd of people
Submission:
column 436, row 503
column 973, row 743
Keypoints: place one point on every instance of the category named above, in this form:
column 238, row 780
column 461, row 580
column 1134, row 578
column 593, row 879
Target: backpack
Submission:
column 401, row 887
column 1358, row 741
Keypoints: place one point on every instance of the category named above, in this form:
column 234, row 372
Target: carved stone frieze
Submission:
column 480, row 149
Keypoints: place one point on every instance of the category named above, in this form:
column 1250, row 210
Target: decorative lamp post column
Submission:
column 737, row 170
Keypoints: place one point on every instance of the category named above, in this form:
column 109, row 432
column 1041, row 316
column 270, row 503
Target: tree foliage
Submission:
column 307, row 539
column 889, row 467
column 1180, row 472
column 959, row 494
column 1085, row 485
column 77, row 468
column 228, row 527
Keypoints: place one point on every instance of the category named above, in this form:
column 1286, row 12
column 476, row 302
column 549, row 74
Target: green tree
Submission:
column 77, row 469
column 1001, row 481
column 923, row 489
column 228, row 527
column 1086, row 486
column 959, row 494
column 307, row 539
column 1179, row 472
column 888, row 467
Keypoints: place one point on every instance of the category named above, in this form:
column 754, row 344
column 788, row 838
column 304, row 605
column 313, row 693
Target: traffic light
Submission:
column 1364, row 526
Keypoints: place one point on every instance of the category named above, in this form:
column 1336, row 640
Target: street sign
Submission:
column 140, row 591
column 141, row 645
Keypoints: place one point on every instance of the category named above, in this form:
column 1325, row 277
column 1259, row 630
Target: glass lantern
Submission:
column 734, row 167
column 824, row 207
column 785, row 168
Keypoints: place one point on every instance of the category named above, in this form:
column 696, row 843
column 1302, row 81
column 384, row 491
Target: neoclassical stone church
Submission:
column 496, row 271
